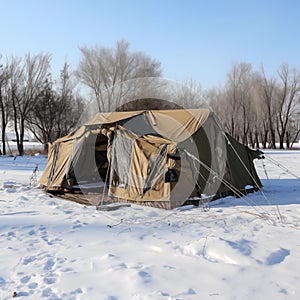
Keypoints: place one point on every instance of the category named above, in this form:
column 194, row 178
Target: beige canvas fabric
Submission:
column 146, row 151
column 111, row 117
column 177, row 125
column 44, row 180
column 56, row 168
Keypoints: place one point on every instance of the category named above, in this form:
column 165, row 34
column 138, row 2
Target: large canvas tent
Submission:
column 161, row 158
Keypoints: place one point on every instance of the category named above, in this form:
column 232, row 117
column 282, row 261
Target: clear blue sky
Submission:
column 192, row 39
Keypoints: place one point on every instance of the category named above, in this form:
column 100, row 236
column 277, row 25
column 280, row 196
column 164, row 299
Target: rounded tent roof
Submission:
column 176, row 125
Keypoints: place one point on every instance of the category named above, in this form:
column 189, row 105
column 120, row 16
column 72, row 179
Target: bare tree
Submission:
column 15, row 71
column 244, row 96
column 293, row 129
column 104, row 70
column 242, row 107
column 71, row 104
column 26, row 83
column 5, row 106
column 237, row 101
column 288, row 98
column 55, row 111
column 189, row 94
column 214, row 98
column 43, row 115
column 268, row 95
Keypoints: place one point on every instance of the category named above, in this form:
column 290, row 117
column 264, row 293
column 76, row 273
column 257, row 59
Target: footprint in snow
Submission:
column 10, row 235
column 47, row 292
column 49, row 264
column 49, row 280
column 147, row 278
column 109, row 256
column 25, row 279
column 167, row 267
column 190, row 291
column 29, row 260
column 2, row 281
column 10, row 190
column 32, row 232
column 243, row 246
column 277, row 257
column 32, row 285
column 78, row 224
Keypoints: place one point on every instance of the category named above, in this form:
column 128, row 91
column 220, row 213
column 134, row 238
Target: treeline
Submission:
column 259, row 110
column 30, row 99
column 256, row 109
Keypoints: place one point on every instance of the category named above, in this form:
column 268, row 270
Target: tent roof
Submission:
column 176, row 125
column 177, row 114
column 112, row 117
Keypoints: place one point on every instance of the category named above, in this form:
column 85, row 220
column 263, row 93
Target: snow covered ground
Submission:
column 245, row 248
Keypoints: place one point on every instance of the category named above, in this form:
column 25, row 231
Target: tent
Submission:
column 161, row 158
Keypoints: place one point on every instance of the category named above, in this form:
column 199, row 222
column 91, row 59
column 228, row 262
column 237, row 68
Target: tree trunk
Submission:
column 3, row 136
column 256, row 139
column 264, row 138
column 3, row 121
column 20, row 141
column 272, row 141
column 287, row 140
column 250, row 137
column 281, row 142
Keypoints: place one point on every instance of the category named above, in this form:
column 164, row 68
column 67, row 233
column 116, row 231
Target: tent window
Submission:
column 121, row 160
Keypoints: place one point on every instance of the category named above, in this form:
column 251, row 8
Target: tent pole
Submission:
column 105, row 183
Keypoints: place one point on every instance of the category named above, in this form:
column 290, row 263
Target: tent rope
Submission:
column 249, row 173
column 265, row 170
column 238, row 156
column 272, row 160
column 101, row 202
column 230, row 186
column 204, row 204
column 245, row 167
